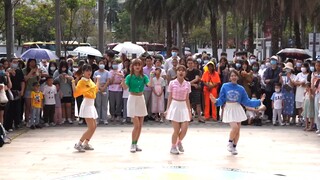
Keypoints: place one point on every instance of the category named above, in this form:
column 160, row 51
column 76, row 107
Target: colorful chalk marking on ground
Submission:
column 172, row 173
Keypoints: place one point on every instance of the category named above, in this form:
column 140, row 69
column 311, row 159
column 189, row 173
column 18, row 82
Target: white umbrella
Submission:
column 87, row 50
column 129, row 48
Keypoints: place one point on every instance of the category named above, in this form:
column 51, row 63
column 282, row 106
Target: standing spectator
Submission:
column 246, row 76
column 79, row 99
column 58, row 111
column 5, row 84
column 125, row 95
column 298, row 64
column 115, row 91
column 271, row 76
column 157, row 95
column 101, row 101
column 174, row 54
column 287, row 81
column 31, row 75
column 277, row 105
column 300, row 81
column 93, row 64
column 14, row 111
column 52, row 68
column 49, row 92
column 147, row 90
column 108, row 58
column 308, row 108
column 315, row 80
column 36, row 104
column 256, row 81
column 193, row 77
column 211, row 81
column 64, row 76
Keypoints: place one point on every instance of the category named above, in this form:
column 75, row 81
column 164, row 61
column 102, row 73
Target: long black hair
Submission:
column 28, row 65
column 62, row 64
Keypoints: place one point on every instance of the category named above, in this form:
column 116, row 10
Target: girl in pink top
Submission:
column 178, row 110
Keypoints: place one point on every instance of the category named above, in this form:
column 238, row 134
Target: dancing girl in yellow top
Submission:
column 88, row 89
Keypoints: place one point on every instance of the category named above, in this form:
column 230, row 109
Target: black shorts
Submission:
column 195, row 97
column 3, row 106
column 66, row 100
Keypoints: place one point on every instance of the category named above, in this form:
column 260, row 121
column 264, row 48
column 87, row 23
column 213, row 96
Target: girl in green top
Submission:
column 136, row 106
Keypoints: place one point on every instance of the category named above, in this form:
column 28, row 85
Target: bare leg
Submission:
column 141, row 119
column 27, row 109
column 68, row 110
column 234, row 131
column 183, row 130
column 91, row 128
column 176, row 130
column 63, row 110
column 236, row 139
column 136, row 128
column 1, row 116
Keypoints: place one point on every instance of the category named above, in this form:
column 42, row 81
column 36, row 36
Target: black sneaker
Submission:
column 32, row 127
column 38, row 126
column 151, row 118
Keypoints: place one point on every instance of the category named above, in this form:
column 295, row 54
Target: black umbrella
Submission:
column 293, row 53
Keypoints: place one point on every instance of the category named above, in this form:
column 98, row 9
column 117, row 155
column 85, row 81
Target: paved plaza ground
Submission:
column 265, row 152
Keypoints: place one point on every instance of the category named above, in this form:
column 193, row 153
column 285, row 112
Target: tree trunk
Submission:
column 9, row 33
column 224, row 30
column 297, row 34
column 275, row 27
column 213, row 31
column 169, row 36
column 179, row 38
column 101, row 26
column 58, row 28
column 133, row 27
column 250, row 35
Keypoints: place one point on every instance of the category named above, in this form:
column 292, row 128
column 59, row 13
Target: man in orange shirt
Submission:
column 211, row 81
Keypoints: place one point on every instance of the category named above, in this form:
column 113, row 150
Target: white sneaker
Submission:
column 52, row 124
column 70, row 121
column 105, row 122
column 137, row 148
column 79, row 148
column 87, row 147
column 174, row 150
column 133, row 148
column 180, row 147
column 124, row 121
column 46, row 125
column 234, row 151
column 230, row 147
column 318, row 132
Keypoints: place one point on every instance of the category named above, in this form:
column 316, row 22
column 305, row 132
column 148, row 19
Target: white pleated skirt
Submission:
column 233, row 112
column 136, row 106
column 87, row 109
column 178, row 111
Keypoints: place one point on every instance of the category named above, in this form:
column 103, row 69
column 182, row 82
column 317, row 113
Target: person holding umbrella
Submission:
column 31, row 75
